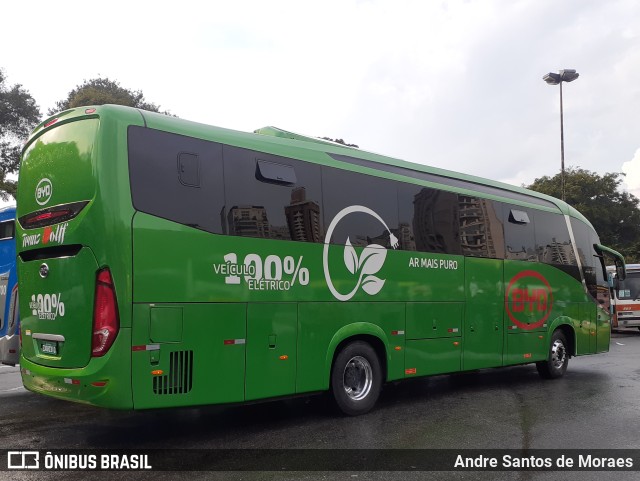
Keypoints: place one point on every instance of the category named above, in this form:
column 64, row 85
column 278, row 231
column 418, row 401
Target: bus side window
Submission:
column 481, row 227
column 428, row 220
column 553, row 244
column 583, row 236
column 176, row 177
column 519, row 234
column 344, row 189
column 271, row 197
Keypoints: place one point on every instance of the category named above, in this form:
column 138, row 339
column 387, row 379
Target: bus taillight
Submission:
column 105, row 314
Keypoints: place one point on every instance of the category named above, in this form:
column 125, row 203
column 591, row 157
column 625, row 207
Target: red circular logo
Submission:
column 528, row 300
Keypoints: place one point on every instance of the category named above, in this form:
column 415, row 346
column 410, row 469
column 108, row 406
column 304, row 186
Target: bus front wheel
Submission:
column 558, row 359
column 356, row 378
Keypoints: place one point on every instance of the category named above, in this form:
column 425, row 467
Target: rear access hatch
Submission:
column 57, row 327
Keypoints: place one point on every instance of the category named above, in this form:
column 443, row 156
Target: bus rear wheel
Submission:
column 356, row 378
column 558, row 359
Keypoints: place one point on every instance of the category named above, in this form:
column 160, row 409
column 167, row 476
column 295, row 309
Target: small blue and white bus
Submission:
column 9, row 314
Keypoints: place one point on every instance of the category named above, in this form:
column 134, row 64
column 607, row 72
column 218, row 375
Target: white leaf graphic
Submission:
column 372, row 285
column 350, row 257
column 372, row 259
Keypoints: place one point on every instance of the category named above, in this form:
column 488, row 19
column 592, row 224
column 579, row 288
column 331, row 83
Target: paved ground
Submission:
column 596, row 405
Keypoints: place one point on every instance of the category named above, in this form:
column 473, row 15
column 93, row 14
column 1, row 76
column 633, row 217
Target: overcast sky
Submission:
column 453, row 84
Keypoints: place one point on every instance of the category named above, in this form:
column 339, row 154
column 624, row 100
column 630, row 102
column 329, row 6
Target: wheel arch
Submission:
column 564, row 325
column 358, row 331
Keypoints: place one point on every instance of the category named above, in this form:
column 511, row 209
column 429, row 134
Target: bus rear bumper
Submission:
column 103, row 382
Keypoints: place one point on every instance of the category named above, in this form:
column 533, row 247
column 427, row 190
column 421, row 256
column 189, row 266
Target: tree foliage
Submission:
column 614, row 213
column 100, row 91
column 339, row 141
column 19, row 114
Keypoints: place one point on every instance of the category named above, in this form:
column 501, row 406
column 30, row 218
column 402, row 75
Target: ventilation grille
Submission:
column 180, row 376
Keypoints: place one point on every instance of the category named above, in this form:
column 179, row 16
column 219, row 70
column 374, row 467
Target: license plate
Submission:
column 49, row 347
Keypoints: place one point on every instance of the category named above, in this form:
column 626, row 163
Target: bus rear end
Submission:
column 75, row 342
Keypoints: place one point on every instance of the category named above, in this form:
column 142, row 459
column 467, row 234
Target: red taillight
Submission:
column 47, row 216
column 105, row 315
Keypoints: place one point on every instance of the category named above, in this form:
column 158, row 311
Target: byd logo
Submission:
column 529, row 297
column 44, row 190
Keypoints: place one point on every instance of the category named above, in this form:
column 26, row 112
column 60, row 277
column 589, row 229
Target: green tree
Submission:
column 100, row 91
column 339, row 141
column 19, row 114
column 614, row 213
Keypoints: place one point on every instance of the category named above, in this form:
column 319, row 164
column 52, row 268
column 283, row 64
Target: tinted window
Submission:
column 518, row 233
column 271, row 197
column 7, row 229
column 441, row 179
column 428, row 220
column 481, row 231
column 585, row 238
column 176, row 177
column 344, row 189
column 553, row 244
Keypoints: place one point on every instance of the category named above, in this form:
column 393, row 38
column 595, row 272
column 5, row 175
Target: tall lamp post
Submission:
column 566, row 75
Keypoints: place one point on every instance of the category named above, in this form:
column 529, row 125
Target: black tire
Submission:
column 356, row 378
column 558, row 359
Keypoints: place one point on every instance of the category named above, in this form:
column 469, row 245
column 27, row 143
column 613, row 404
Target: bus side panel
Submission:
column 483, row 331
column 537, row 294
column 603, row 326
column 272, row 331
column 586, row 329
column 187, row 354
column 320, row 323
column 433, row 356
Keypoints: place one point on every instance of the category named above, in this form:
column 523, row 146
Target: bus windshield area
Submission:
column 630, row 287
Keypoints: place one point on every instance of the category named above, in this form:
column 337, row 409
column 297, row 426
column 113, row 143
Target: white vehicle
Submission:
column 626, row 302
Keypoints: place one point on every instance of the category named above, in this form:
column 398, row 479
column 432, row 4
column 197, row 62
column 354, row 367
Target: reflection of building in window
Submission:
column 480, row 229
column 248, row 221
column 434, row 221
column 303, row 217
column 404, row 233
column 557, row 253
column 279, row 232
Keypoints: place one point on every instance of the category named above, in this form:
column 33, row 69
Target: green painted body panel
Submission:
column 434, row 319
column 218, row 368
column 55, row 305
column 523, row 347
column 483, row 330
column 603, row 326
column 272, row 331
column 165, row 324
column 323, row 326
column 209, row 318
column 425, row 357
column 75, row 384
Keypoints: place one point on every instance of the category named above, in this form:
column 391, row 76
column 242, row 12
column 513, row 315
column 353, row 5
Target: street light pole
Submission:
column 566, row 75
column 561, row 146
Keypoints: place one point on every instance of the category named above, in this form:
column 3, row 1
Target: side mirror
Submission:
column 621, row 272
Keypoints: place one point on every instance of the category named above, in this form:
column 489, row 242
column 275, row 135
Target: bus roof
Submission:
column 282, row 142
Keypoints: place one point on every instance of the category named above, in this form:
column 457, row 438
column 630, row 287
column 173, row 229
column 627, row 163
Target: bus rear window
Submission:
column 57, row 167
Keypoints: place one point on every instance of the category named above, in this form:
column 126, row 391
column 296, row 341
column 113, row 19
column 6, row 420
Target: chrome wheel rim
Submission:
column 558, row 354
column 357, row 378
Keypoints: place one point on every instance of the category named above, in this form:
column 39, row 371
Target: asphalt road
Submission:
column 594, row 406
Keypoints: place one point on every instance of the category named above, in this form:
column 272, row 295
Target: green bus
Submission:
column 166, row 263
